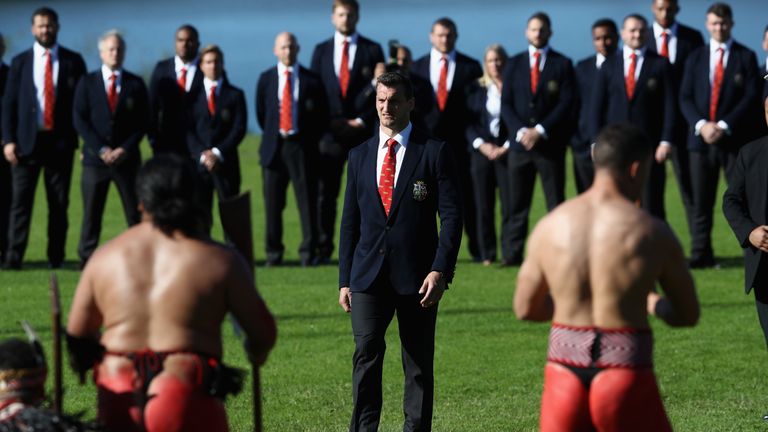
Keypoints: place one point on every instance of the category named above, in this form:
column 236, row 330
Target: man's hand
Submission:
column 210, row 160
column 653, row 298
column 500, row 152
column 663, row 153
column 117, row 155
column 355, row 124
column 9, row 151
column 345, row 299
column 432, row 289
column 487, row 150
column 759, row 238
column 530, row 138
column 711, row 133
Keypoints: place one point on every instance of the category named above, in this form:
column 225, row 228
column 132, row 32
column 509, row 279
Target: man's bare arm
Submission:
column 532, row 299
column 85, row 318
column 680, row 305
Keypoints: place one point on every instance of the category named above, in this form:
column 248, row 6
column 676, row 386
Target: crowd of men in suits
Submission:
column 505, row 119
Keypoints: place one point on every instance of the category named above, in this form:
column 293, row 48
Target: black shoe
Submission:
column 703, row 263
column 765, row 418
column 273, row 263
column 322, row 260
column 53, row 265
column 515, row 262
column 12, row 265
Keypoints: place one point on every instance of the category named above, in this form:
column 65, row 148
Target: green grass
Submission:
column 488, row 364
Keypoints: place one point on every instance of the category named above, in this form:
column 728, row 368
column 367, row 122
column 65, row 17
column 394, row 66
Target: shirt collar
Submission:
column 107, row 72
column 339, row 38
column 179, row 63
column 599, row 59
column 281, row 68
column 628, row 51
column 209, row 83
column 401, row 138
column 714, row 45
column 435, row 54
column 658, row 30
column 39, row 50
column 543, row 50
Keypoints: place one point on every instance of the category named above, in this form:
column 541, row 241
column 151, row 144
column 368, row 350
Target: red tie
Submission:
column 112, row 93
column 49, row 93
column 286, row 106
column 630, row 79
column 183, row 80
column 535, row 71
column 442, row 84
column 344, row 69
column 387, row 177
column 717, row 82
column 212, row 100
column 664, row 45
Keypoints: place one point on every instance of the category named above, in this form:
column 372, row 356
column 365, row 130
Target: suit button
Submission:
column 533, row 120
column 381, row 251
column 386, row 228
column 531, row 105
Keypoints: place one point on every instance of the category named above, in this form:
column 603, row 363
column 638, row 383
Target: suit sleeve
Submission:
column 741, row 111
column 687, row 89
column 474, row 116
column 81, row 117
column 597, row 103
column 670, row 111
column 237, row 132
column 349, row 230
column 449, row 210
column 735, row 205
column 317, row 57
column 10, row 110
column 558, row 117
column 141, row 111
column 261, row 105
column 508, row 114
column 195, row 144
column 154, row 106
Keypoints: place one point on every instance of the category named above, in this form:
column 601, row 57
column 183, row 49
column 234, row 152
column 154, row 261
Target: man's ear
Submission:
column 634, row 169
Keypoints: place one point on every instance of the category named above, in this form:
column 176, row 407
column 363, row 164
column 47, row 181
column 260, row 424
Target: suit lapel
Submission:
column 302, row 94
column 643, row 77
column 412, row 156
column 102, row 90
column 330, row 71
column 368, row 171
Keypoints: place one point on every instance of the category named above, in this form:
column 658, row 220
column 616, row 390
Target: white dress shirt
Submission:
column 191, row 69
column 542, row 58
column 627, row 52
column 436, row 65
column 599, row 60
column 281, row 68
column 402, row 144
column 338, row 50
column 38, row 69
column 671, row 40
column 714, row 58
column 106, row 73
column 493, row 106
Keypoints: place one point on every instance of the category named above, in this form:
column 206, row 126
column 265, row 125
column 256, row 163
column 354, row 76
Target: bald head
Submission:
column 286, row 48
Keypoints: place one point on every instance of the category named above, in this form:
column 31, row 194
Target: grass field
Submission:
column 488, row 364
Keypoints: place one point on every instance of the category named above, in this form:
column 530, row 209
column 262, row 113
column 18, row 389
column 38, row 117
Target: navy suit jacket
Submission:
column 224, row 130
column 407, row 242
column 738, row 104
column 451, row 123
column 480, row 119
column 745, row 204
column 3, row 77
column 20, row 106
column 586, row 74
column 99, row 127
column 551, row 106
column 652, row 107
column 367, row 55
column 170, row 108
column 312, row 115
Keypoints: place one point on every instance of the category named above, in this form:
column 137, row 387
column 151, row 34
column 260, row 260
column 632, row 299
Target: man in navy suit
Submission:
column 345, row 64
column 173, row 88
column 5, row 168
column 764, row 68
column 537, row 100
column 111, row 113
column 292, row 111
column 605, row 38
column 445, row 113
column 719, row 100
column 38, row 135
column 675, row 42
column 218, row 119
column 391, row 256
column 636, row 87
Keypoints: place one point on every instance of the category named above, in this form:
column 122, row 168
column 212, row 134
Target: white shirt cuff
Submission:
column 724, row 126
column 540, row 129
column 665, row 143
column 359, row 120
column 217, row 152
column 519, row 134
column 477, row 143
column 698, row 126
column 506, row 144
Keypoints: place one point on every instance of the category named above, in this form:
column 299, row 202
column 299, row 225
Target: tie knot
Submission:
column 47, row 53
column 720, row 50
column 213, row 87
column 537, row 54
column 391, row 143
column 633, row 56
column 345, row 43
column 665, row 34
column 287, row 72
column 113, row 77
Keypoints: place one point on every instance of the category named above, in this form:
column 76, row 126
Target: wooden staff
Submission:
column 58, row 393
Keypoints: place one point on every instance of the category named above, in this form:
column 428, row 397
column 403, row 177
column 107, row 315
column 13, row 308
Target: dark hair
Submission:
column 396, row 80
column 167, row 188
column 349, row 4
column 447, row 23
column 720, row 9
column 543, row 17
column 619, row 145
column 46, row 12
column 17, row 354
column 190, row 28
column 637, row 17
column 606, row 22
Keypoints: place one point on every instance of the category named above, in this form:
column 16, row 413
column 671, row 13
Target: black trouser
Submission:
column 56, row 165
column 371, row 315
column 583, row 170
column 682, row 166
column 705, row 172
column 94, row 185
column 522, row 167
column 6, row 192
column 293, row 163
column 761, row 298
column 225, row 180
column 463, row 168
column 486, row 176
column 653, row 193
column 330, row 169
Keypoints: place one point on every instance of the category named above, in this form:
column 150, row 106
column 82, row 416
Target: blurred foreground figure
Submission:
column 598, row 293
column 160, row 291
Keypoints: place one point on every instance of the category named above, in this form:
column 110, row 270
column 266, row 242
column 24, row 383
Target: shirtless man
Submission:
column 160, row 292
column 591, row 268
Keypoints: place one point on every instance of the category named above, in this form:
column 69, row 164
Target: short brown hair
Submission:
column 620, row 144
column 349, row 4
column 721, row 10
column 212, row 49
column 396, row 80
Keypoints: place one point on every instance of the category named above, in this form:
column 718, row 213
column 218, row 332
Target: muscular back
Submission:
column 598, row 256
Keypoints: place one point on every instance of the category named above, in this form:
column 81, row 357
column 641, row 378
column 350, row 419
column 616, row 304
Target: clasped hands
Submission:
column 432, row 290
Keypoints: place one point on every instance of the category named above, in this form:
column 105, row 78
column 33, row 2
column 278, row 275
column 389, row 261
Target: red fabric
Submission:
column 442, row 85
column 212, row 100
column 344, row 69
column 182, row 81
column 286, row 106
column 112, row 93
column 629, row 80
column 717, row 82
column 535, row 71
column 618, row 400
column 664, row 45
column 49, row 92
column 387, row 177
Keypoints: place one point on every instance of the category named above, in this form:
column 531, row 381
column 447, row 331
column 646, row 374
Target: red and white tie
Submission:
column 112, row 93
column 664, row 45
column 535, row 73
column 344, row 69
column 387, row 177
column 212, row 100
column 630, row 79
column 442, row 84
column 286, row 106
column 49, row 92
column 717, row 82
column 182, row 81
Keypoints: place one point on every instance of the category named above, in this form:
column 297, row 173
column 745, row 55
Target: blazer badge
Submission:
column 652, row 84
column 420, row 190
column 553, row 86
column 738, row 79
column 226, row 115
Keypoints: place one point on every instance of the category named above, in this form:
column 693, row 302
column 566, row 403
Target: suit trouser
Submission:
column 653, row 193
column 57, row 175
column 464, row 168
column 371, row 314
column 761, row 297
column 6, row 193
column 486, row 176
column 225, row 180
column 291, row 164
column 705, row 172
column 583, row 170
column 522, row 167
column 682, row 167
column 94, row 185
column 330, row 169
